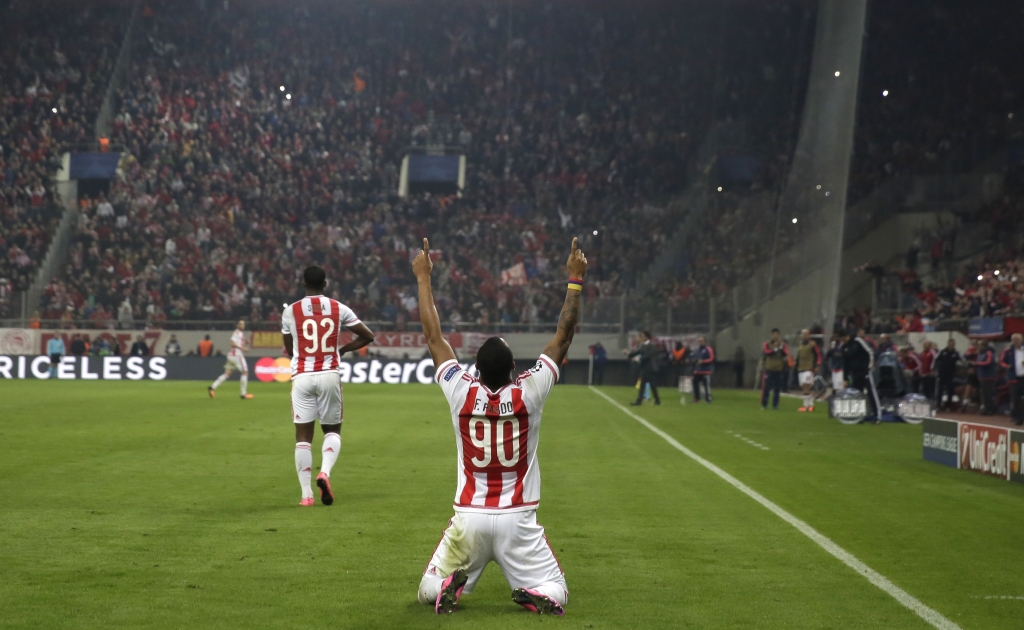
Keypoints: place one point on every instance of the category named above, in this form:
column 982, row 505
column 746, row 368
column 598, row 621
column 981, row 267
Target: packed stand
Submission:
column 258, row 141
column 56, row 66
column 940, row 97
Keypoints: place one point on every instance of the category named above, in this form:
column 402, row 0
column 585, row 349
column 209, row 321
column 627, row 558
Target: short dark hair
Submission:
column 314, row 277
column 646, row 333
column 494, row 360
column 776, row 330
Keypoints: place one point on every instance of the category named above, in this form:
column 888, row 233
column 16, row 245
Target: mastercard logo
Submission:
column 270, row 369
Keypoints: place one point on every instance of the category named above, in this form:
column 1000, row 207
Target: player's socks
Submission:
column 451, row 590
column 220, row 379
column 430, row 588
column 304, row 468
column 244, row 381
column 535, row 600
column 331, row 450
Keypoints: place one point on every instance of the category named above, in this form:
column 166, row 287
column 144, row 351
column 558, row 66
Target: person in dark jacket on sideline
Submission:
column 78, row 347
column 139, row 348
column 945, row 367
column 775, row 354
column 705, row 357
column 739, row 365
column 600, row 360
column 858, row 360
column 988, row 373
column 647, row 354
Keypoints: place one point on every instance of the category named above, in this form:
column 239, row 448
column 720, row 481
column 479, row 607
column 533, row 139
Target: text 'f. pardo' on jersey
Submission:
column 497, row 433
column 315, row 324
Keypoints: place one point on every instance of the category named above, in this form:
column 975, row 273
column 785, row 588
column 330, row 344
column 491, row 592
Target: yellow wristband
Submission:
column 575, row 286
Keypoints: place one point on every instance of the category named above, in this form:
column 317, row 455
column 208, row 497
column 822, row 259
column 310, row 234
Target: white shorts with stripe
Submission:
column 513, row 540
column 837, row 380
column 237, row 362
column 317, row 396
column 806, row 377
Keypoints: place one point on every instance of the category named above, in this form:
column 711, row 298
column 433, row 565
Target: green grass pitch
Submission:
column 150, row 505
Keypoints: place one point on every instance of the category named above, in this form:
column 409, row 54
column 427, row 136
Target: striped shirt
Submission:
column 315, row 323
column 497, row 434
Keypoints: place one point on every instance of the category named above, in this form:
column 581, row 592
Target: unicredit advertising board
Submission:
column 987, row 449
column 267, row 369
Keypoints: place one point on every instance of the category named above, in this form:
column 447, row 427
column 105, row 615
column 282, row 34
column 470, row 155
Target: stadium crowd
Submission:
column 258, row 140
column 56, row 64
column 950, row 102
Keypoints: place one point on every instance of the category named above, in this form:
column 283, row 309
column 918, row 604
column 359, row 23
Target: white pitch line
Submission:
column 933, row 617
column 749, row 441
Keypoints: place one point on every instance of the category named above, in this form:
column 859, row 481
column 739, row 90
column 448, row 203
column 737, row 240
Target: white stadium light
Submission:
column 54, row 110
column 719, row 189
column 794, row 219
column 282, row 88
column 837, row 73
column 288, row 96
column 826, row 193
column 997, row 272
column 885, row 92
column 818, row 187
column 595, row 232
column 980, row 277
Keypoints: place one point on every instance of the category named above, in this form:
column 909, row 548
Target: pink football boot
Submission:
column 451, row 590
column 536, row 602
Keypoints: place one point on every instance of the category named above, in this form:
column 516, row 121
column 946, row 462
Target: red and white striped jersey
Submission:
column 315, row 323
column 497, row 434
column 237, row 343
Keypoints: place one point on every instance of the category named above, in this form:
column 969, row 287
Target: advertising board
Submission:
column 941, row 441
column 984, row 449
column 266, row 369
column 1016, row 456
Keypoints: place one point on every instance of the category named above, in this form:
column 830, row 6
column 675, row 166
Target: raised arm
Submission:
column 440, row 350
column 577, row 268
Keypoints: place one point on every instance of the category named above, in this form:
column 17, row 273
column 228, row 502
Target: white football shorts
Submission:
column 806, row 378
column 236, row 362
column 837, row 380
column 514, row 540
column 317, row 396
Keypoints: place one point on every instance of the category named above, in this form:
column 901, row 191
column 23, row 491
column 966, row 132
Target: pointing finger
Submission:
column 426, row 246
column 574, row 244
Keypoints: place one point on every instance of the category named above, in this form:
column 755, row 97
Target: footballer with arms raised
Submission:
column 497, row 430
column 312, row 330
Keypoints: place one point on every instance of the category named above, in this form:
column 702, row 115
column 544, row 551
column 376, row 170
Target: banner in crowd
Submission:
column 987, row 449
column 266, row 369
column 514, row 276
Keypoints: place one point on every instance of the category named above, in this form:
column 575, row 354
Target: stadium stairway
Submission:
column 67, row 188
